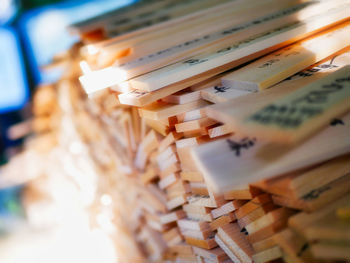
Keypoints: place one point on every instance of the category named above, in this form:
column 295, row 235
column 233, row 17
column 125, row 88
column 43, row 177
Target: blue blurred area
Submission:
column 44, row 34
column 44, row 30
column 31, row 38
column 9, row 199
column 13, row 81
column 8, row 10
column 11, row 210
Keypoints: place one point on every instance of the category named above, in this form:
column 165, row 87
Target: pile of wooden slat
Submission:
column 220, row 128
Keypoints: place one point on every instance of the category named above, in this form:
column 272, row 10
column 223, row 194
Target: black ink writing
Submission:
column 335, row 122
column 220, row 89
column 269, row 63
column 291, row 114
column 139, row 93
column 285, row 115
column 303, row 249
column 192, row 62
column 314, row 194
column 237, row 147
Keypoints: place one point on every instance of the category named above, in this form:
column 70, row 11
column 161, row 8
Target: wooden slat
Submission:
column 305, row 111
column 250, row 160
column 226, row 58
column 216, row 254
column 330, row 252
column 205, row 43
column 194, row 125
column 301, row 221
column 267, row 255
column 221, row 221
column 269, row 70
column 269, row 218
column 294, row 245
column 202, row 243
column 236, row 110
column 236, row 242
column 256, row 214
column 221, row 93
column 226, row 248
column 227, row 208
column 318, row 197
column 164, row 110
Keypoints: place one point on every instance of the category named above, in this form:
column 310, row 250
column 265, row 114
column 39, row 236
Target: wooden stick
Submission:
column 294, row 245
column 227, row 208
column 191, row 115
column 163, row 110
column 264, row 244
column 219, row 131
column 330, row 252
column 204, row 43
column 252, row 205
column 256, row 214
column 267, row 231
column 225, row 58
column 149, row 45
column 252, row 161
column 179, row 12
column 279, row 65
column 206, row 243
column 195, row 216
column 172, row 217
column 192, row 224
column 317, row 197
column 167, row 181
column 236, row 110
column 158, row 126
column 221, row 221
column 193, row 125
column 245, row 192
column 236, row 242
column 215, row 255
column 299, row 184
column 309, row 113
column 178, row 189
column 301, row 221
column 198, row 234
column 176, row 202
column 267, row 255
column 142, row 98
column 202, row 201
column 219, row 93
column 199, row 188
column 191, row 176
column 269, row 218
column 183, row 97
column 166, row 54
column 226, row 248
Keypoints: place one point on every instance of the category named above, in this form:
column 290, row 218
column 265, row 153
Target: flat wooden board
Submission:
column 269, row 70
column 158, row 111
column 305, row 111
column 236, row 241
column 318, row 197
column 226, row 58
column 228, row 163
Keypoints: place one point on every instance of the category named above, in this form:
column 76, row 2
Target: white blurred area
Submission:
column 69, row 244
column 60, row 225
column 68, row 220
column 7, row 10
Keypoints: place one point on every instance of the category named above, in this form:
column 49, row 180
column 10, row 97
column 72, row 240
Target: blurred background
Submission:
column 31, row 32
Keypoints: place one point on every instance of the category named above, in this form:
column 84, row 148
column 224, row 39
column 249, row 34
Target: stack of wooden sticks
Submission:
column 223, row 127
